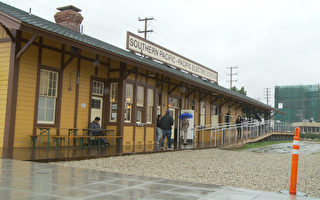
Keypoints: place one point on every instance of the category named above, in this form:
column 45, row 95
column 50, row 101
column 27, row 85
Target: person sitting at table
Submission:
column 95, row 130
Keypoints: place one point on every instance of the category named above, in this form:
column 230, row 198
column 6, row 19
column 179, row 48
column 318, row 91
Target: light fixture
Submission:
column 96, row 63
column 183, row 89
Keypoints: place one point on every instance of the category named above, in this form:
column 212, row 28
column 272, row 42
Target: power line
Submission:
column 232, row 74
column 145, row 26
column 267, row 94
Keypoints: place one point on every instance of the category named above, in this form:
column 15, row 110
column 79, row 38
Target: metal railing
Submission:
column 223, row 134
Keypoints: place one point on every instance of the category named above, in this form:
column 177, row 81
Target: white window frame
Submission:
column 140, row 96
column 150, row 93
column 44, row 91
column 113, row 101
column 202, row 113
column 128, row 103
column 97, row 88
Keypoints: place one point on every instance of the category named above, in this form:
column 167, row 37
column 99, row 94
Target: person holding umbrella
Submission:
column 184, row 125
column 184, row 128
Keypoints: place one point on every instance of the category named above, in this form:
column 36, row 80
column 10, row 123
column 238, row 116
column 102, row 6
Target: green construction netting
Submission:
column 299, row 102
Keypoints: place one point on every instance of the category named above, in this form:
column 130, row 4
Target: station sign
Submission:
column 142, row 46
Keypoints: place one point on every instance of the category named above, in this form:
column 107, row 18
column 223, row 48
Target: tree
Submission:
column 241, row 90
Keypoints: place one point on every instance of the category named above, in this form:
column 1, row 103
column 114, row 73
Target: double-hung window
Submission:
column 129, row 101
column 140, row 104
column 202, row 113
column 47, row 96
column 113, row 102
column 150, row 106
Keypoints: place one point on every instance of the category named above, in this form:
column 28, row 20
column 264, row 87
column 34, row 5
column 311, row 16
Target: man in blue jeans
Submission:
column 166, row 123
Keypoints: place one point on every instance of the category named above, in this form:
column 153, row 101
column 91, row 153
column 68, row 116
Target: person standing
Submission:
column 184, row 129
column 166, row 123
column 238, row 123
column 228, row 116
column 158, row 132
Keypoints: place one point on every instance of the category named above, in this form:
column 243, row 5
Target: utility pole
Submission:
column 231, row 74
column 145, row 26
column 267, row 94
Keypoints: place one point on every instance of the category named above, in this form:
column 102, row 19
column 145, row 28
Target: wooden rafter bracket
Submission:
column 204, row 96
column 237, row 108
column 224, row 102
column 175, row 87
column 26, row 46
column 234, row 103
column 214, row 100
column 190, row 92
column 163, row 79
column 133, row 70
column 9, row 33
column 64, row 65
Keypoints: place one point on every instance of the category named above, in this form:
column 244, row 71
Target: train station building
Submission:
column 53, row 76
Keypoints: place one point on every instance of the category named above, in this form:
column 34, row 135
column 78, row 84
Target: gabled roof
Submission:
column 19, row 19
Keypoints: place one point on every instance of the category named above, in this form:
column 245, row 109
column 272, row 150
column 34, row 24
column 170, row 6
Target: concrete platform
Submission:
column 27, row 180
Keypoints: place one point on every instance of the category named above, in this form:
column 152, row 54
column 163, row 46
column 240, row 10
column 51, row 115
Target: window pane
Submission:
column 127, row 112
column 150, row 97
column 49, row 116
column 97, row 88
column 139, row 116
column 129, row 93
column 96, row 103
column 140, row 95
column 149, row 115
column 114, row 92
column 46, row 110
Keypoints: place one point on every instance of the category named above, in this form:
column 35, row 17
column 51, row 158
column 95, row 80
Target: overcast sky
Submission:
column 273, row 42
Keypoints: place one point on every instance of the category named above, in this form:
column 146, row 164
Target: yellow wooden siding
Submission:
column 84, row 93
column 114, row 64
column 114, row 74
column 26, row 97
column 132, row 76
column 52, row 43
column 51, row 58
column 151, row 81
column 127, row 139
column 102, row 71
column 149, row 135
column 128, row 135
column 4, row 73
column 68, row 97
column 139, row 136
column 3, row 33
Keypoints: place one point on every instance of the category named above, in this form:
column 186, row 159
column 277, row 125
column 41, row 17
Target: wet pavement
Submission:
column 306, row 147
column 27, row 180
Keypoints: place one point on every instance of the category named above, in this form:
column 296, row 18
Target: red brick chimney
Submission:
column 69, row 17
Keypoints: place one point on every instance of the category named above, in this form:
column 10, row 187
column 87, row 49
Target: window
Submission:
column 140, row 96
column 97, row 88
column 202, row 113
column 113, row 101
column 214, row 114
column 47, row 96
column 139, row 116
column 174, row 102
column 129, row 100
column 150, row 105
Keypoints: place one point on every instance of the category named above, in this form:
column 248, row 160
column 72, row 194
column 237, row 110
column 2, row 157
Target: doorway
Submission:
column 96, row 108
column 174, row 112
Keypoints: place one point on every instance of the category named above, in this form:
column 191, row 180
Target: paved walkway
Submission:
column 38, row 181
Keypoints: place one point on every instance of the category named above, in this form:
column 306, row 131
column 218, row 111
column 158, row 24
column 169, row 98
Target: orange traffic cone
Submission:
column 295, row 159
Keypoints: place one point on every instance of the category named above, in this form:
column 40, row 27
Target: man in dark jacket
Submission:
column 166, row 123
column 95, row 130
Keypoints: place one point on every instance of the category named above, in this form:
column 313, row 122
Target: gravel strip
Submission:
column 257, row 171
